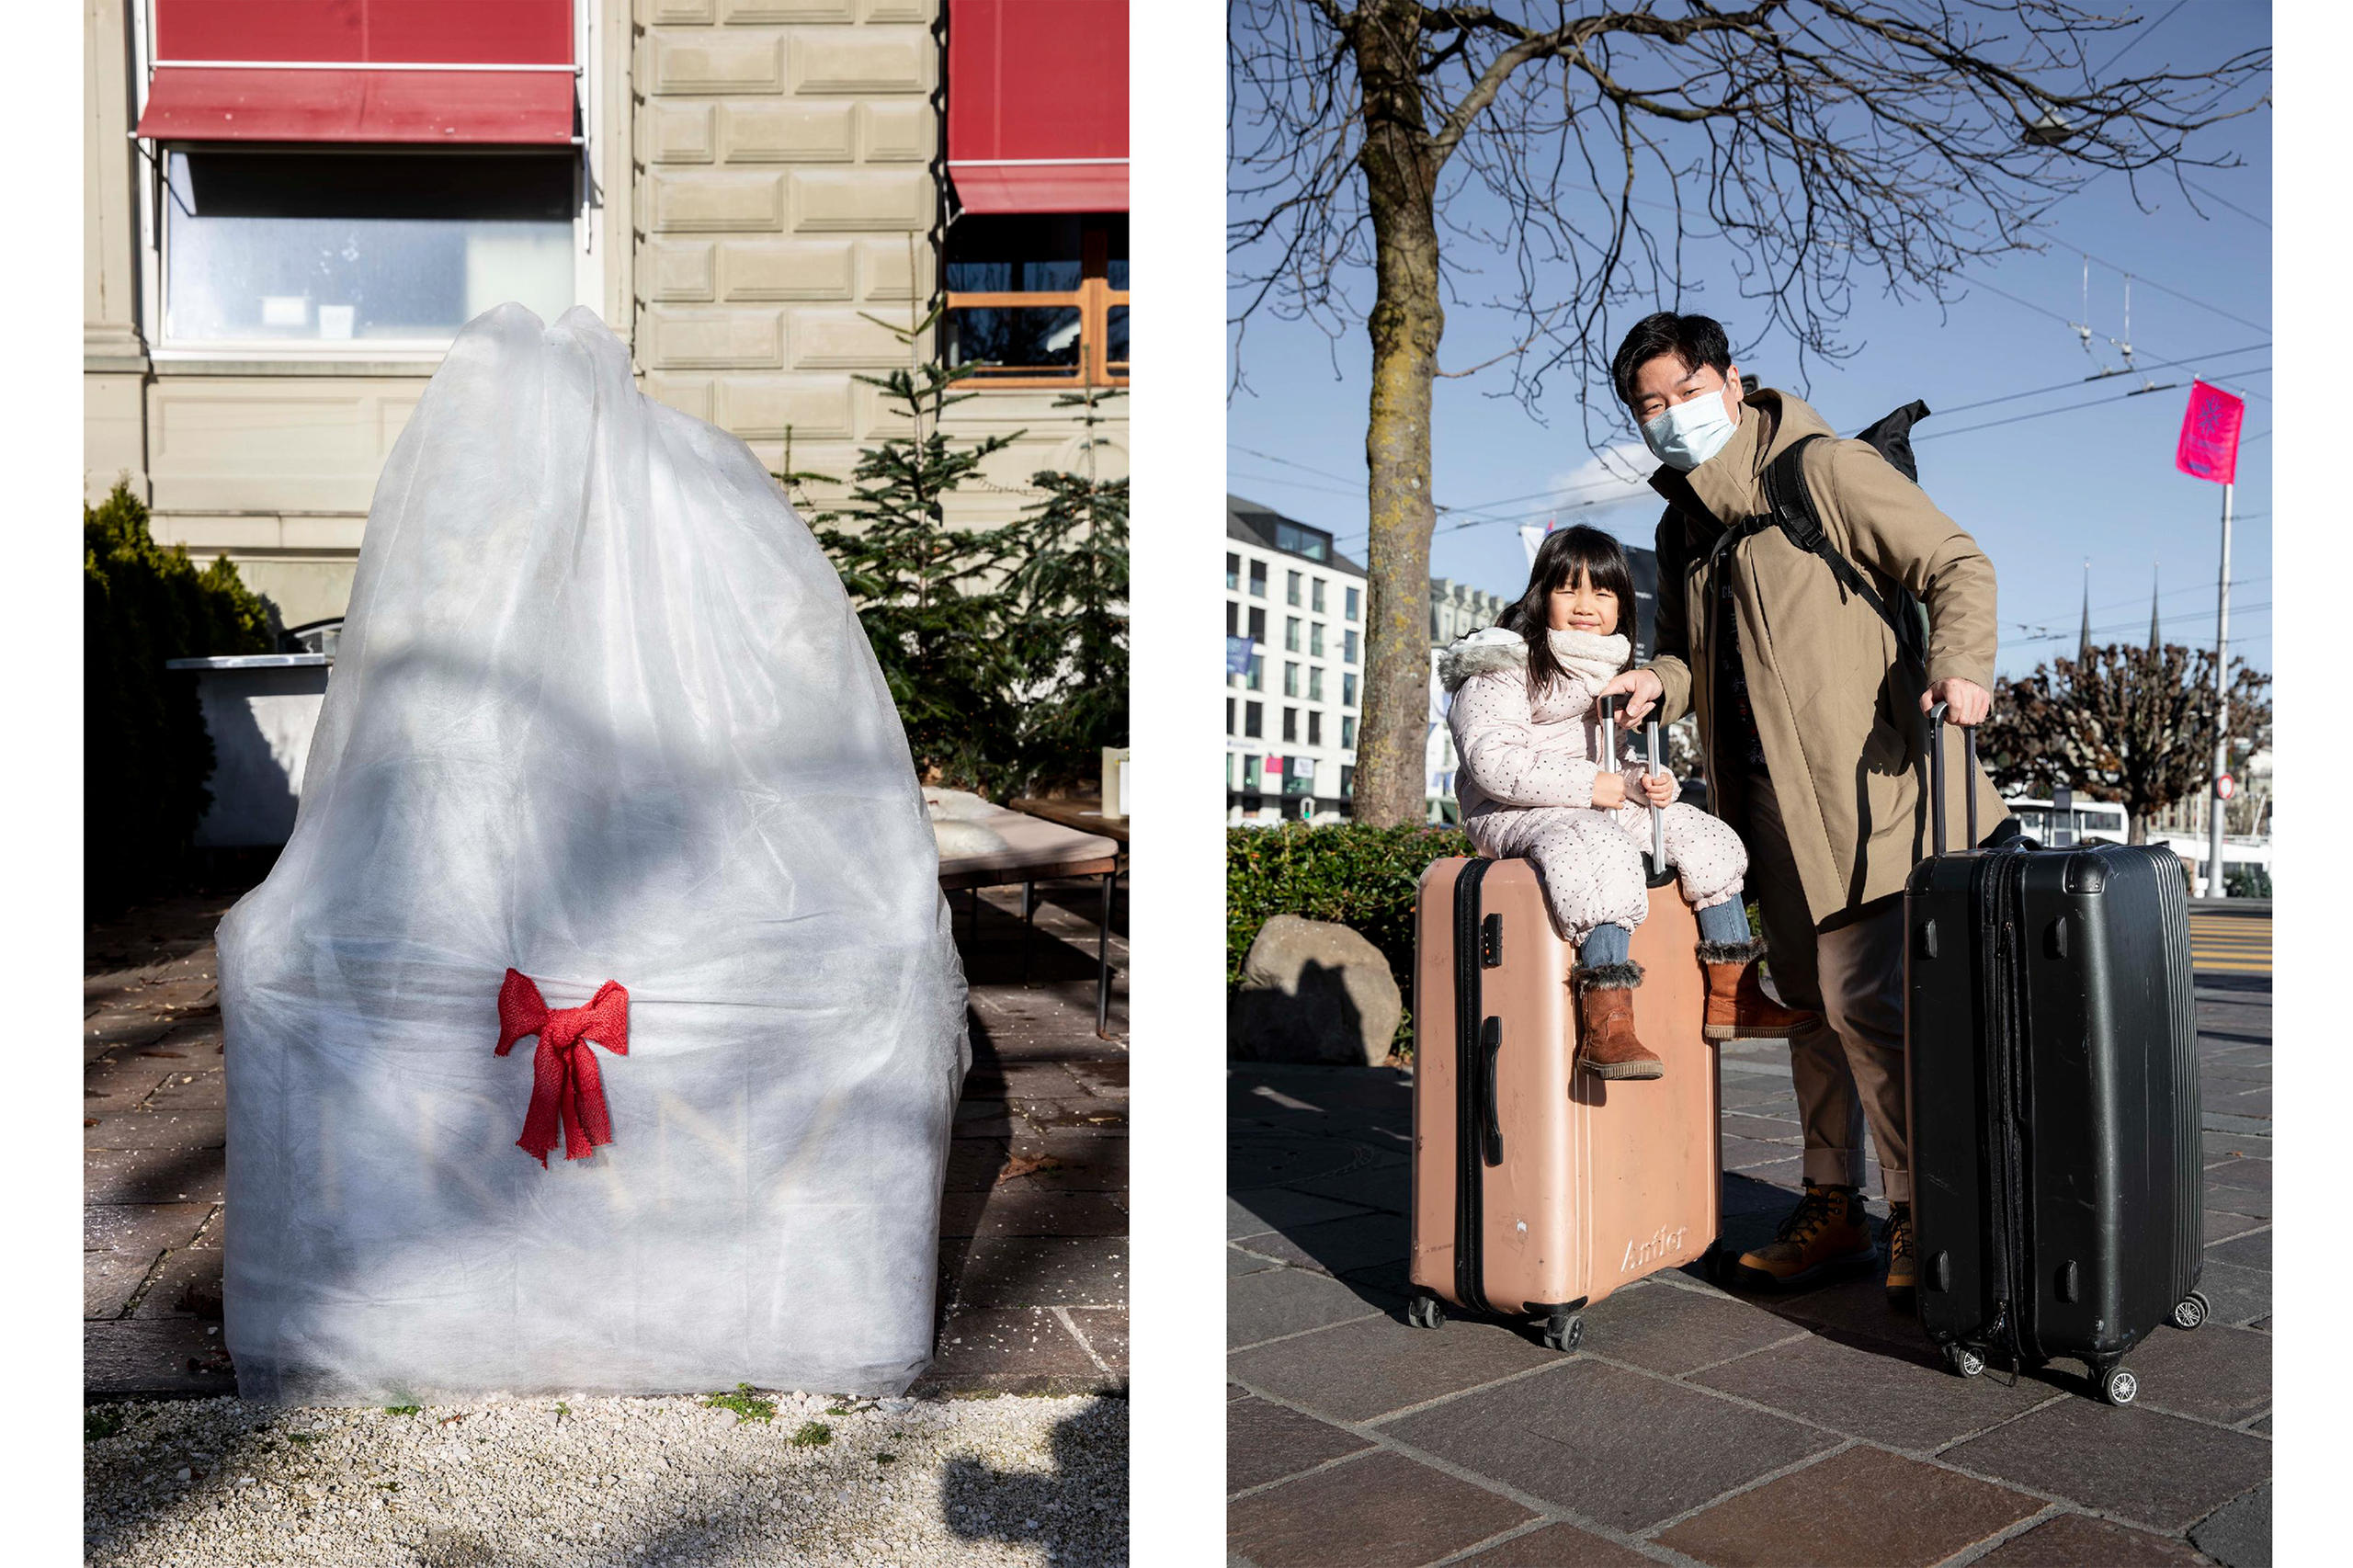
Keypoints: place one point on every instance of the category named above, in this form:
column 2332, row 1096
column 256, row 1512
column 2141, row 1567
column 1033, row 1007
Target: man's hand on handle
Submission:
column 1966, row 702
column 1642, row 691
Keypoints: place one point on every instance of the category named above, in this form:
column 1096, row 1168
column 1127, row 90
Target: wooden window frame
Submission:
column 1095, row 299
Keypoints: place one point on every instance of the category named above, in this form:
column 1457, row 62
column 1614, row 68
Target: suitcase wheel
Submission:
column 1964, row 1360
column 2117, row 1386
column 1424, row 1311
column 2191, row 1310
column 1563, row 1332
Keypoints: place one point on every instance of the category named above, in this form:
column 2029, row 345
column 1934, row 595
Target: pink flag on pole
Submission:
column 2209, row 435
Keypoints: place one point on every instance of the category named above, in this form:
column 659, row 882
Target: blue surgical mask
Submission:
column 1687, row 434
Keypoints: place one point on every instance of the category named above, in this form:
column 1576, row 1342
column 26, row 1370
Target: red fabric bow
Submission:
column 565, row 1085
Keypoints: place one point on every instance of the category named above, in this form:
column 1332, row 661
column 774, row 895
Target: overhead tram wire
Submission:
column 1562, row 495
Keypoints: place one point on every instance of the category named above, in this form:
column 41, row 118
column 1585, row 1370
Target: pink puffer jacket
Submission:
column 1517, row 754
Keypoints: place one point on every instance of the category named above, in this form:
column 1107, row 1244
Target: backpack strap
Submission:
column 1789, row 505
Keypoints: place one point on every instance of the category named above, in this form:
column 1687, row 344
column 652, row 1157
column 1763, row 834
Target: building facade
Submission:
column 1294, row 627
column 289, row 212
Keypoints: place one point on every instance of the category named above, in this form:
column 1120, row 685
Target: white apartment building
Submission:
column 1294, row 625
column 1291, row 706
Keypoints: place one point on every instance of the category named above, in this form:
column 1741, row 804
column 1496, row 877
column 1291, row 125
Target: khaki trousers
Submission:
column 1850, row 1070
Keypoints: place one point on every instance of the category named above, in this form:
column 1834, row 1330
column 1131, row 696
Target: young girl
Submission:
column 1543, row 777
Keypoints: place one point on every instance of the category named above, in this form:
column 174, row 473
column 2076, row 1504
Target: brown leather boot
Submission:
column 1606, row 1019
column 1737, row 1006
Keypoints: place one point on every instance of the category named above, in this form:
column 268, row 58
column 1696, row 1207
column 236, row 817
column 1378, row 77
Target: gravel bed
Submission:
column 509, row 1484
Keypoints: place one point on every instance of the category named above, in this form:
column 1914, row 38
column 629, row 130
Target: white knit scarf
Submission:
column 1595, row 658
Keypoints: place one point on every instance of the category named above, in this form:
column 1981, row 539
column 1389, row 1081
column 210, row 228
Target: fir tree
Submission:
column 1069, row 597
column 929, row 595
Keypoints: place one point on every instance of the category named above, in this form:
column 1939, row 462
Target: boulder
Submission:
column 1312, row 990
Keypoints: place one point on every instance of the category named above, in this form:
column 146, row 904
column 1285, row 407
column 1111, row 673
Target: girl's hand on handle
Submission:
column 1643, row 691
column 1609, row 791
column 1660, row 788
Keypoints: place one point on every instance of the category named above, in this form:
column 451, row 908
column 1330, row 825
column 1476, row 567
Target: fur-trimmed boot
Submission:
column 1737, row 1006
column 1606, row 1018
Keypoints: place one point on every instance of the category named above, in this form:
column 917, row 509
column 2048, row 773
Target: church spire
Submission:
column 2084, row 638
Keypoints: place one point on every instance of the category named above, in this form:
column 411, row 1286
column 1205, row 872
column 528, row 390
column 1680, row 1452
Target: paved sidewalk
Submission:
column 1033, row 1232
column 1698, row 1427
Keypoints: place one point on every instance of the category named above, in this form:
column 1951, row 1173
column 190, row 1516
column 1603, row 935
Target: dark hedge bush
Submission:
column 145, row 755
column 1359, row 877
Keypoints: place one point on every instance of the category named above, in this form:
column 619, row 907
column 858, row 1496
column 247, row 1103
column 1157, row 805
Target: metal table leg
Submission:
column 1103, row 963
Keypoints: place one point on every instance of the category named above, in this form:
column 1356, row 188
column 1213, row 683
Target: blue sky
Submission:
column 2078, row 472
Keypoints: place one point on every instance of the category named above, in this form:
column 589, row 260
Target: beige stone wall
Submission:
column 765, row 167
column 788, row 197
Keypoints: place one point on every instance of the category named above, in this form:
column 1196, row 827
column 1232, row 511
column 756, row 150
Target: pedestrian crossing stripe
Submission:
column 2230, row 944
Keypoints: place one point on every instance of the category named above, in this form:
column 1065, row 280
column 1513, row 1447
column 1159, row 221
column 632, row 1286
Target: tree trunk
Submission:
column 1405, row 324
column 2136, row 827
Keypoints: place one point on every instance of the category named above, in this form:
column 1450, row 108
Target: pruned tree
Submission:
column 2129, row 727
column 1818, row 143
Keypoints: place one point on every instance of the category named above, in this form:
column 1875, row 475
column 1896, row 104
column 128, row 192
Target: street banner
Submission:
column 2209, row 435
column 1533, row 538
column 1237, row 655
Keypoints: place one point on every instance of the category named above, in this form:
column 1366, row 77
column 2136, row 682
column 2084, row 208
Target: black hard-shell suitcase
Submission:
column 2050, row 1036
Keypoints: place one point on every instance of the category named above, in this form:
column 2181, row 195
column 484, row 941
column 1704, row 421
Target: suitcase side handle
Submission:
column 1936, row 775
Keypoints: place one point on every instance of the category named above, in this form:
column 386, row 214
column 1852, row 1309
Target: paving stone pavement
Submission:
column 1033, row 1284
column 1697, row 1425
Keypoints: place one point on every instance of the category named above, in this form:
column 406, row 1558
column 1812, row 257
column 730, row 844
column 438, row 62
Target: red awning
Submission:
column 447, row 71
column 1038, row 105
column 457, row 107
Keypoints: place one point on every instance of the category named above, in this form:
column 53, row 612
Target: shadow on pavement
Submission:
column 1050, row 1511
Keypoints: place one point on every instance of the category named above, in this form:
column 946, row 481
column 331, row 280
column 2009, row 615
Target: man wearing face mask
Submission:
column 1810, row 710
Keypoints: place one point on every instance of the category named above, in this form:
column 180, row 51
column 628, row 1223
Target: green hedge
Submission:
column 1360, row 877
column 145, row 755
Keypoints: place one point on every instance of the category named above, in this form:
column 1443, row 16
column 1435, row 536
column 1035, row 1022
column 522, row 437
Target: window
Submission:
column 1314, row 683
column 1290, row 635
column 1229, row 715
column 1250, row 781
column 1315, row 728
column 1291, row 679
column 309, row 246
column 1299, row 540
column 1233, row 570
column 1349, row 649
column 1291, row 723
column 1347, row 781
column 1232, row 619
column 1352, row 604
column 1253, row 719
column 1315, row 639
column 1258, row 579
column 1315, row 595
column 1290, row 589
column 1299, row 777
column 1257, row 672
column 1347, row 690
column 1038, row 298
column 1257, row 624
column 1348, row 732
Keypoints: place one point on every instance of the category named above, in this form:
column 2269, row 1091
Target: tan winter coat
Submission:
column 1838, row 711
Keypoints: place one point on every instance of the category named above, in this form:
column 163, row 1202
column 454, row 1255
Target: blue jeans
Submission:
column 1725, row 921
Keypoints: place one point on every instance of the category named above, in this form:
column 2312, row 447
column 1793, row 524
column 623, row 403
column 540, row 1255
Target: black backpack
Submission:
column 1789, row 507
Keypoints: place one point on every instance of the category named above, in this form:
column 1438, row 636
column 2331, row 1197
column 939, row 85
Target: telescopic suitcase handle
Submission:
column 1609, row 705
column 1937, row 775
